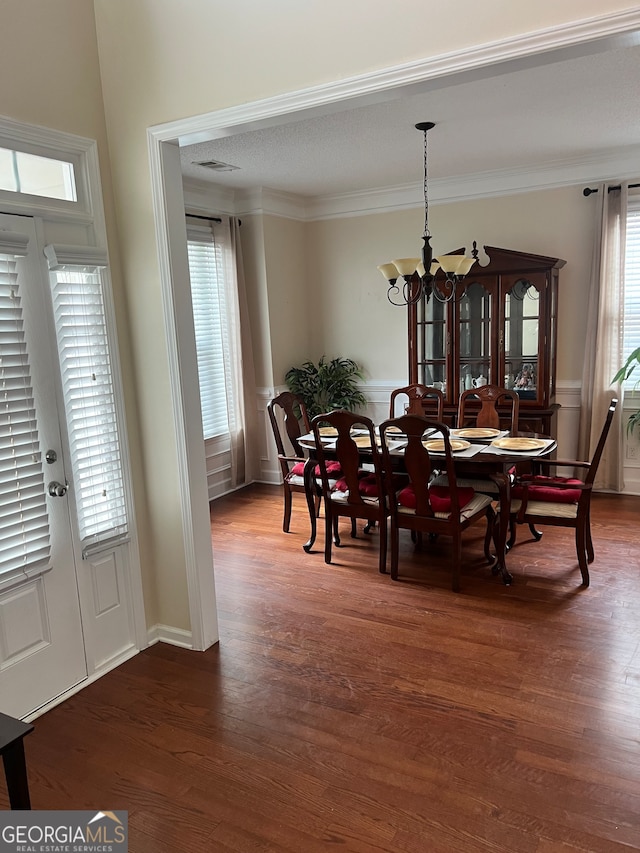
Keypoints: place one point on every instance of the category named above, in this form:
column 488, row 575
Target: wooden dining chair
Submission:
column 358, row 493
column 421, row 400
column 421, row 507
column 489, row 406
column 492, row 407
column 538, row 499
column 289, row 420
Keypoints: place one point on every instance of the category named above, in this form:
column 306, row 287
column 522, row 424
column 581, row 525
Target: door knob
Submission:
column 57, row 490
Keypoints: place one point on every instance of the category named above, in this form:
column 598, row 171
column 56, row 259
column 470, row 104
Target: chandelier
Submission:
column 426, row 276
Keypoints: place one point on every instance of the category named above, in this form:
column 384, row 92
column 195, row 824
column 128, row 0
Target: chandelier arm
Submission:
column 450, row 290
column 412, row 290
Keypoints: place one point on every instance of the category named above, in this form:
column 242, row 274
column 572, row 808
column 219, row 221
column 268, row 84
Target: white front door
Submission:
column 42, row 651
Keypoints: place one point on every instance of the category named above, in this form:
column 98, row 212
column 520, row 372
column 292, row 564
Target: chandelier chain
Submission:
column 427, row 233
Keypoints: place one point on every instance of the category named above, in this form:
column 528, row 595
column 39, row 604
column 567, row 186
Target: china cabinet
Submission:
column 500, row 328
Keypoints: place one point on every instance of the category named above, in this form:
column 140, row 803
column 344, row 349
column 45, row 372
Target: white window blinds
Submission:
column 631, row 339
column 89, row 400
column 24, row 524
column 207, row 263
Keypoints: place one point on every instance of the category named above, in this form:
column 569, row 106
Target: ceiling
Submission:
column 582, row 109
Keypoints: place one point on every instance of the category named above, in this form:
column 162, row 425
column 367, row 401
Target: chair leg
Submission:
column 537, row 534
column 383, row 547
column 336, row 531
column 354, row 529
column 395, row 535
column 590, row 552
column 513, row 533
column 456, row 561
column 286, row 521
column 328, row 531
column 491, row 523
column 581, row 549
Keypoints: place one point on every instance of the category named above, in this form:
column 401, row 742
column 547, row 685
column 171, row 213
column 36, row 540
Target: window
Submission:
column 89, row 400
column 208, row 262
column 21, row 172
column 631, row 340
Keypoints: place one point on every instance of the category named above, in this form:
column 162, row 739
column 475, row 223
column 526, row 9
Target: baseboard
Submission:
column 172, row 636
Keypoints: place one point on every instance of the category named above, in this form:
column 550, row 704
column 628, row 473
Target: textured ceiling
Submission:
column 564, row 110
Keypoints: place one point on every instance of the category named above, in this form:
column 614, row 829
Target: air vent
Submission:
column 216, row 165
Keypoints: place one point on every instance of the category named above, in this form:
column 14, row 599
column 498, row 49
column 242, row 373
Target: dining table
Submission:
column 477, row 453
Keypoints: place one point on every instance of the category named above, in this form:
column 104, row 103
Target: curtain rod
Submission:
column 208, row 218
column 586, row 192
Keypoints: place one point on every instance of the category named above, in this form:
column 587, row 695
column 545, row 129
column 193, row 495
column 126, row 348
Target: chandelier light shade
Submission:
column 419, row 276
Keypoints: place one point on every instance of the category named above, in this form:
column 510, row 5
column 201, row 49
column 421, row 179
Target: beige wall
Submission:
column 352, row 315
column 162, row 60
column 290, row 320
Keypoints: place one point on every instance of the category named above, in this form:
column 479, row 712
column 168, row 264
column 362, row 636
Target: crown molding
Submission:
column 208, row 197
column 610, row 165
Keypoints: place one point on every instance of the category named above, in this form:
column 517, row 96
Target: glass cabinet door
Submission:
column 474, row 330
column 432, row 343
column 522, row 314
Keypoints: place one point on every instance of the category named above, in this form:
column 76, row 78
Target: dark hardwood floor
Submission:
column 342, row 711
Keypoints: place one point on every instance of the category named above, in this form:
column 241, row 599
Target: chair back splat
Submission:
column 420, row 506
column 561, row 501
column 489, row 406
column 421, row 400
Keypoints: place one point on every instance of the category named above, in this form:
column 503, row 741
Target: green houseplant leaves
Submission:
column 329, row 384
column 623, row 374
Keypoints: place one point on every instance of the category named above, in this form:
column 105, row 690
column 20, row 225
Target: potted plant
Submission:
column 622, row 375
column 329, row 384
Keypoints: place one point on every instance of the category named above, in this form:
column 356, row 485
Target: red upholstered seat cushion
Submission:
column 544, row 492
column 439, row 497
column 333, row 469
column 367, row 485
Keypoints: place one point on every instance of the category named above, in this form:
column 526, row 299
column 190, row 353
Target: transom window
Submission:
column 32, row 174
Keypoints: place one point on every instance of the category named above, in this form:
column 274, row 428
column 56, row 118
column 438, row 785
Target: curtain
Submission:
column 603, row 355
column 240, row 370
